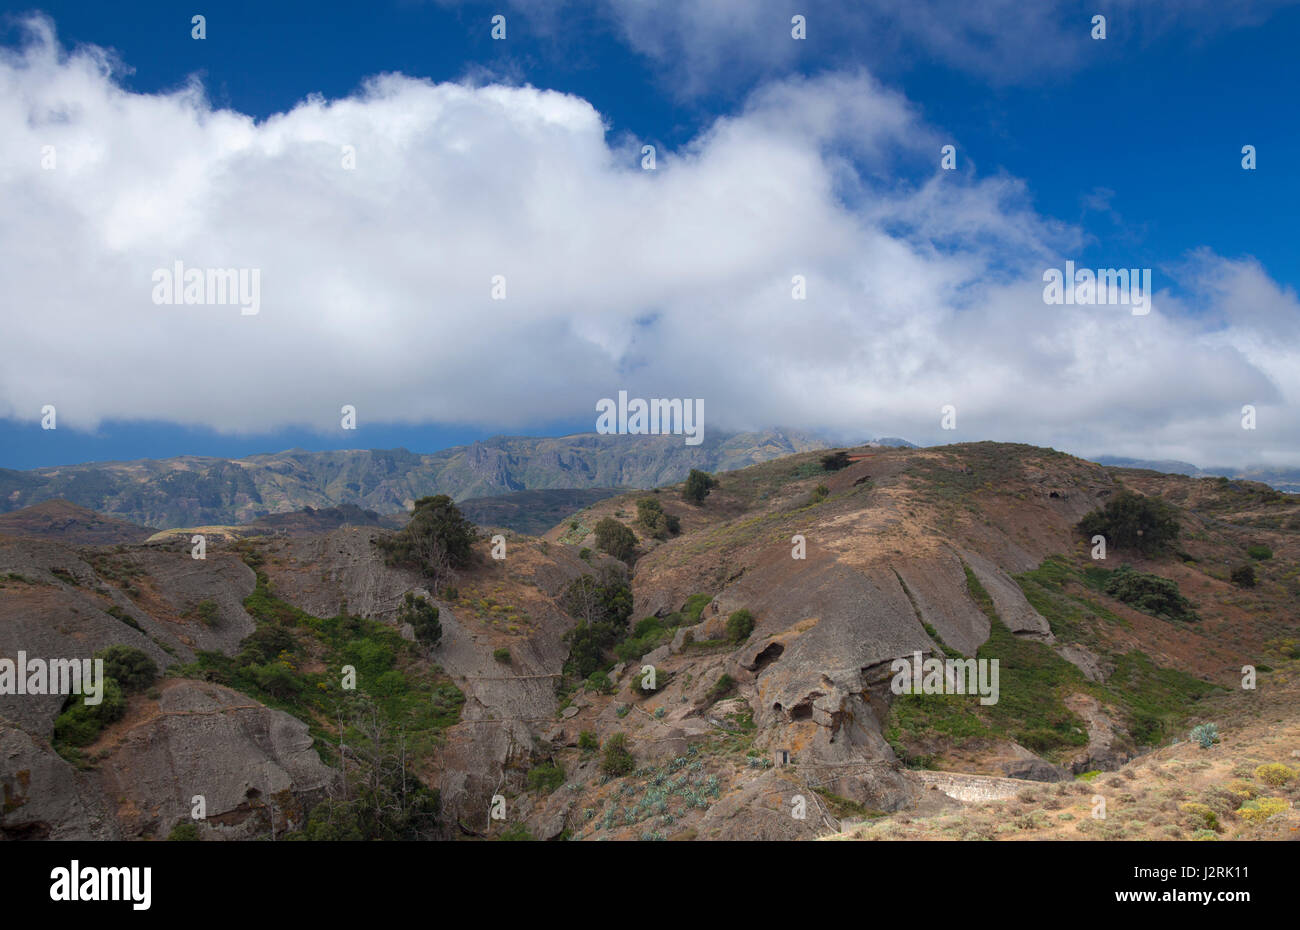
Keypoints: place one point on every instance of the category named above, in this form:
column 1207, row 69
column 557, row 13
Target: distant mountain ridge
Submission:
column 196, row 490
column 1282, row 479
column 58, row 519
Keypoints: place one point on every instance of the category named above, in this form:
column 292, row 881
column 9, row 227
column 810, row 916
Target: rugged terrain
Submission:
column 968, row 550
column 194, row 490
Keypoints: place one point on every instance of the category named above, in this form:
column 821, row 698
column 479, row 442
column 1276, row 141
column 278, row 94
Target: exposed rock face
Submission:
column 507, row 706
column 250, row 763
column 1102, row 753
column 44, row 797
column 1008, row 600
column 938, row 589
column 764, row 810
column 808, row 688
column 1084, row 660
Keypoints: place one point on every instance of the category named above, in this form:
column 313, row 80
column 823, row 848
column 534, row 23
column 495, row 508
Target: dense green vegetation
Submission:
column 1070, row 614
column 435, row 540
column 650, row 516
column 835, row 461
column 617, row 759
column 739, row 625
column 545, row 777
column 1150, row 594
column 601, row 604
column 1034, row 681
column 698, row 486
column 614, row 538
column 423, row 618
column 375, row 696
column 1133, row 521
column 127, row 670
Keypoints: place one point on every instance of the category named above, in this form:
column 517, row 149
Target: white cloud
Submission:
column 729, row 43
column 376, row 281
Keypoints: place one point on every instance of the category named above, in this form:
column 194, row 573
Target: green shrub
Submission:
column 820, row 493
column 545, row 777
column 1202, row 816
column 739, row 625
column 660, row 679
column 698, row 485
column 1150, row 594
column 184, row 832
column 617, row 759
column 600, row 683
column 208, row 613
column 129, row 667
column 615, row 538
column 650, row 516
column 516, row 833
column 1243, row 576
column 1259, row 551
column 278, row 679
column 1132, row 521
column 80, row 723
column 835, row 461
column 694, row 607
column 1261, row 809
column 423, row 618
column 502, row 655
column 587, row 741
column 721, row 688
column 602, row 605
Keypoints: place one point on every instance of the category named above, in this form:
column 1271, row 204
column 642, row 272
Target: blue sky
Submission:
column 1122, row 152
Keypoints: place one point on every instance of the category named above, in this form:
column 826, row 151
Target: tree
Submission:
column 835, row 461
column 650, row 516
column 436, row 540
column 698, row 485
column 129, row 667
column 1244, row 576
column 423, row 618
column 384, row 799
column 601, row 604
column 615, row 538
column 1132, row 521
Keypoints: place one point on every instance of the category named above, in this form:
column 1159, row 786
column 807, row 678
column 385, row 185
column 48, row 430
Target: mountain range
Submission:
column 188, row 491
column 194, row 490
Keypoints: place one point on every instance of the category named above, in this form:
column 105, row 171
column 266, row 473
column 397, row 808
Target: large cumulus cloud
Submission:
column 376, row 281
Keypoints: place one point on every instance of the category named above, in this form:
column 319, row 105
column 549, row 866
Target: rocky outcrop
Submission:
column 768, row 808
column 45, row 798
column 251, row 765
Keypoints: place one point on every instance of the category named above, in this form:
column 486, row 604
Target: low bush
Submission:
column 545, row 777
column 739, row 625
column 617, row 759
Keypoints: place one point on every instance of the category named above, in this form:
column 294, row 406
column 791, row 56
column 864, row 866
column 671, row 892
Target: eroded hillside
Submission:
column 960, row 552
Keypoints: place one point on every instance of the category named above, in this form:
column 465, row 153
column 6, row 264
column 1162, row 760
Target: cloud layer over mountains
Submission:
column 924, row 287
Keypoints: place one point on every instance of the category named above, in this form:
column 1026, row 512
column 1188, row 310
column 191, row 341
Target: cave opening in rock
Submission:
column 767, row 656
